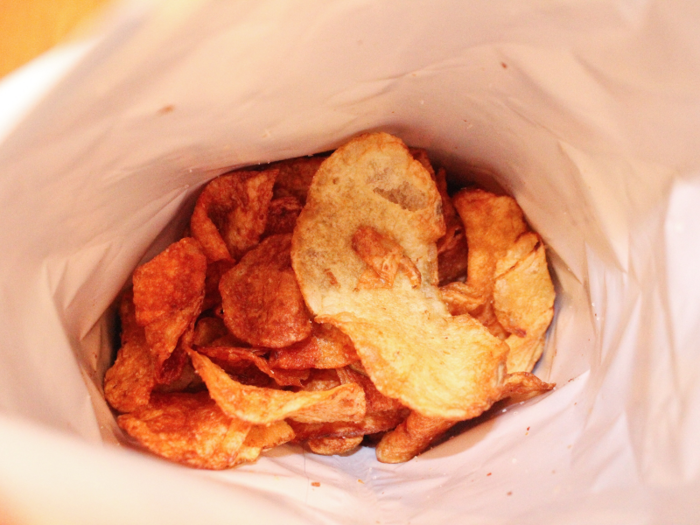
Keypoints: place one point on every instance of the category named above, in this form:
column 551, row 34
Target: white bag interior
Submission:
column 587, row 112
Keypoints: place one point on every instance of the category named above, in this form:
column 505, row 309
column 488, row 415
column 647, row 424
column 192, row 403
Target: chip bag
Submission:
column 585, row 113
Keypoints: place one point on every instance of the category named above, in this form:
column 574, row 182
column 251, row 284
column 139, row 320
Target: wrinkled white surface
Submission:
column 589, row 113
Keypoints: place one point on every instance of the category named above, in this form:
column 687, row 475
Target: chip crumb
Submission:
column 488, row 474
column 360, row 481
column 315, row 483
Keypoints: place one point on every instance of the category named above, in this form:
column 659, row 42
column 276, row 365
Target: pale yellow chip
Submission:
column 409, row 344
column 265, row 405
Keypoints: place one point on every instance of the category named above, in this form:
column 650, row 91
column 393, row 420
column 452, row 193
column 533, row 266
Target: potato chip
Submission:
column 295, row 176
column 282, row 216
column 451, row 247
column 524, row 303
column 459, row 299
column 370, row 424
column 438, row 365
column 421, row 155
column 492, row 224
column 266, row 405
column 264, row 437
column 231, row 213
column 226, row 356
column 410, row 438
column 411, row 347
column 417, row 432
column 333, row 446
column 321, row 380
column 168, row 295
column 524, row 293
column 382, row 413
column 187, row 428
column 132, row 377
column 327, row 347
column 371, row 181
column 261, row 299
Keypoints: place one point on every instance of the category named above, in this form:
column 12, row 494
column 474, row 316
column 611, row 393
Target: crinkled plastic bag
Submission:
column 586, row 112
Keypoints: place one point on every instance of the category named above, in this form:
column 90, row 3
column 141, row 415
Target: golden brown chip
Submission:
column 129, row 382
column 382, row 413
column 265, row 405
column 225, row 356
column 231, row 213
column 524, row 384
column 333, row 446
column 264, row 437
column 168, row 295
column 524, row 293
column 295, row 176
column 321, row 380
column 261, row 299
column 448, row 367
column 410, row 438
column 282, row 216
column 375, row 400
column 417, row 432
column 327, row 347
column 459, row 300
column 492, row 224
column 187, row 428
column 421, row 155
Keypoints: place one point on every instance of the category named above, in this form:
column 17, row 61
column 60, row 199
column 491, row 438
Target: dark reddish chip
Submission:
column 262, row 303
column 231, row 213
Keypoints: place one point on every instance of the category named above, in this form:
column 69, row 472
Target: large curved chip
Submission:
column 168, row 295
column 412, row 348
column 187, row 428
column 266, row 405
column 371, row 181
column 231, row 213
column 262, row 303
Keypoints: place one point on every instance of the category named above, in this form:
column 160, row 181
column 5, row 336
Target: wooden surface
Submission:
column 30, row 27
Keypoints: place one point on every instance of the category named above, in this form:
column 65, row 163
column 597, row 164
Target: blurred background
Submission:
column 31, row 27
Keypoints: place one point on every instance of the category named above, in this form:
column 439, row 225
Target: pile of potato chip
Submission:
column 330, row 301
